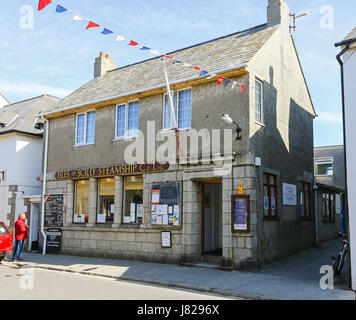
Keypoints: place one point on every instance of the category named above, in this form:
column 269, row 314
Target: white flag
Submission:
column 77, row 17
column 120, row 38
column 156, row 52
column 187, row 65
column 211, row 75
column 233, row 85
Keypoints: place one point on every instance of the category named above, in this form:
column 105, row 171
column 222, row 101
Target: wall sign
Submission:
column 240, row 214
column 165, row 209
column 54, row 211
column 166, row 239
column 289, row 194
column 111, row 171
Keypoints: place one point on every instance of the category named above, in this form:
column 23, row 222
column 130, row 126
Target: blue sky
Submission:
column 57, row 57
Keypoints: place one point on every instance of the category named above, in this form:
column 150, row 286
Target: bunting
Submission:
column 119, row 38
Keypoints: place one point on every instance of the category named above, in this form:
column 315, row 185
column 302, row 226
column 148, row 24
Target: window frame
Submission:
column 75, row 202
column 269, row 186
column 123, row 207
column 98, row 202
column 262, row 105
column 331, row 217
column 126, row 136
column 316, row 164
column 85, row 136
column 176, row 109
column 302, row 189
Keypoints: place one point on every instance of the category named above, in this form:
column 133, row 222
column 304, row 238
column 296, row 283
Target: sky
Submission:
column 46, row 53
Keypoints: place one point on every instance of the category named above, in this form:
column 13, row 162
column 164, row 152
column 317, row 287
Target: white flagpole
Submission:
column 169, row 94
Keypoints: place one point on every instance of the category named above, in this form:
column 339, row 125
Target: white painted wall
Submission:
column 20, row 158
column 350, row 126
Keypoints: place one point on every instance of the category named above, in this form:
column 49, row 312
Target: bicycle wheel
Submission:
column 343, row 260
column 335, row 265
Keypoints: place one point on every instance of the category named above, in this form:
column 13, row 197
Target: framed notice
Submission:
column 240, row 214
column 166, row 239
column 289, row 194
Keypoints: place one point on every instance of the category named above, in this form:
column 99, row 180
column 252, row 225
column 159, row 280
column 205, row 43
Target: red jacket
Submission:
column 20, row 229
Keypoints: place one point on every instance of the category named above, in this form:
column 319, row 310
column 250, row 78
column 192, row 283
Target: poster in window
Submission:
column 289, row 194
column 265, row 203
column 240, row 214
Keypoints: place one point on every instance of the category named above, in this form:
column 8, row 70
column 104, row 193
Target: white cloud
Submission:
column 332, row 117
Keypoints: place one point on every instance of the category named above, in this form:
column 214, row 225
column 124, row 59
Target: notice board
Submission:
column 53, row 240
column 54, row 211
column 240, row 214
column 165, row 205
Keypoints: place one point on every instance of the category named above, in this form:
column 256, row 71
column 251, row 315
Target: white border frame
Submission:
column 85, row 128
column 262, row 106
column 126, row 136
column 326, row 158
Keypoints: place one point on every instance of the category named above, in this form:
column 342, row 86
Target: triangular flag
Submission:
column 242, row 88
column 227, row 82
column 156, row 52
column 43, row 3
column 145, row 48
column 60, row 9
column 203, row 73
column 77, row 17
column 107, row 31
column 92, row 24
column 120, row 38
column 234, row 83
column 186, row 64
column 133, row 43
column 168, row 57
column 211, row 75
column 178, row 61
column 220, row 80
column 197, row 68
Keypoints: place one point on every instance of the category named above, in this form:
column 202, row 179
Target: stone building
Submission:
column 117, row 208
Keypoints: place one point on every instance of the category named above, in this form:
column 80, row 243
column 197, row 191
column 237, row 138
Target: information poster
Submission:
column 53, row 240
column 166, row 239
column 289, row 194
column 165, row 210
column 54, row 211
column 240, row 214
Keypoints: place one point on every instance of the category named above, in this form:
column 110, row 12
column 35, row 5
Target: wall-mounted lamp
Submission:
column 228, row 120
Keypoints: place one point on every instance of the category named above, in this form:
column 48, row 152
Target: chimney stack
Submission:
column 278, row 13
column 103, row 64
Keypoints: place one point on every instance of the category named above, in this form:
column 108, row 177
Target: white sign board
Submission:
column 289, row 194
column 166, row 239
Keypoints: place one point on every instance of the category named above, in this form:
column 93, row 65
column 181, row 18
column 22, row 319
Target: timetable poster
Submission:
column 240, row 214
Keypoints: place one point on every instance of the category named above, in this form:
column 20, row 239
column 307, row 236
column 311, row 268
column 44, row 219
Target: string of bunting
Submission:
column 119, row 37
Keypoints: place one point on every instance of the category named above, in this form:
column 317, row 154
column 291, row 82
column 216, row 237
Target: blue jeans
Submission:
column 18, row 249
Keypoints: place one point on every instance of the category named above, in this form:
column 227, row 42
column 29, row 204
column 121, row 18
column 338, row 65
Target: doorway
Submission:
column 211, row 229
column 34, row 226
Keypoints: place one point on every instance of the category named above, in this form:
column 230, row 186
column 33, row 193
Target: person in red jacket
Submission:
column 20, row 235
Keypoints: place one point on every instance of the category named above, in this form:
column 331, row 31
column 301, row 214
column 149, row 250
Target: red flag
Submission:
column 197, row 68
column 43, row 3
column 242, row 88
column 92, row 24
column 133, row 43
column 220, row 80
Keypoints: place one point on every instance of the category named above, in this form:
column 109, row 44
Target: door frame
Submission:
column 202, row 209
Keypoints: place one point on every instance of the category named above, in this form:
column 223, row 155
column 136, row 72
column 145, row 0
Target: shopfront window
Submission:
column 133, row 200
column 81, row 212
column 106, row 200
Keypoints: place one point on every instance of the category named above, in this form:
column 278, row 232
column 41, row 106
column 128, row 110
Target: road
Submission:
column 39, row 284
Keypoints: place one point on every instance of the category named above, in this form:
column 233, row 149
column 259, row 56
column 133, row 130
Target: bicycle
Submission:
column 340, row 260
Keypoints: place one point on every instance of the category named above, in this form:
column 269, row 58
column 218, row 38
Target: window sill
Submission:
column 260, row 124
column 270, row 218
column 83, row 145
column 173, row 130
column 129, row 225
column 124, row 139
column 324, row 175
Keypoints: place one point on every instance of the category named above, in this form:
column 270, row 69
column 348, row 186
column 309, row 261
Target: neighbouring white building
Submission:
column 347, row 60
column 21, row 156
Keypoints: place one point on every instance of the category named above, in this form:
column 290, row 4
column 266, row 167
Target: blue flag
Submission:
column 203, row 73
column 145, row 48
column 60, row 9
column 107, row 31
column 227, row 82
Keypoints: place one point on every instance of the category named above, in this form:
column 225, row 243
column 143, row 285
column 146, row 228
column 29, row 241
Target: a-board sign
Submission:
column 240, row 214
column 53, row 240
column 54, row 211
column 165, row 205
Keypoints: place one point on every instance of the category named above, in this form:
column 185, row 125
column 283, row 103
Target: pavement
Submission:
column 294, row 278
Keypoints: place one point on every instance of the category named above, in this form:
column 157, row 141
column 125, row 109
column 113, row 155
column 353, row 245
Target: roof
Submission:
column 225, row 53
column 20, row 116
column 351, row 35
column 329, row 147
column 330, row 188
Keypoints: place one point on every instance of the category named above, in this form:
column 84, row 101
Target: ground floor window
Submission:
column 305, row 199
column 133, row 200
column 328, row 206
column 270, row 192
column 81, row 198
column 106, row 200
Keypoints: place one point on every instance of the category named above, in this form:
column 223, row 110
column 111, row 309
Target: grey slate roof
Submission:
column 224, row 53
column 20, row 116
column 352, row 34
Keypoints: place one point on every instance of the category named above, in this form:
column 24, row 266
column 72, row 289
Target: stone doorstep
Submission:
column 223, row 292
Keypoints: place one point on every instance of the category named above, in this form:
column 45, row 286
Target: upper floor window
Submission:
column 182, row 108
column 324, row 166
column 259, row 101
column 85, row 128
column 127, row 120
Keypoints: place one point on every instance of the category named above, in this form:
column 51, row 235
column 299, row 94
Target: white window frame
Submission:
column 175, row 97
column 126, row 136
column 331, row 161
column 262, row 106
column 85, row 143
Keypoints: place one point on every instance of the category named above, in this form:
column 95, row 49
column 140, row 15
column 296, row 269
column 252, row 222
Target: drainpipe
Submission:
column 315, row 187
column 44, row 175
column 345, row 43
